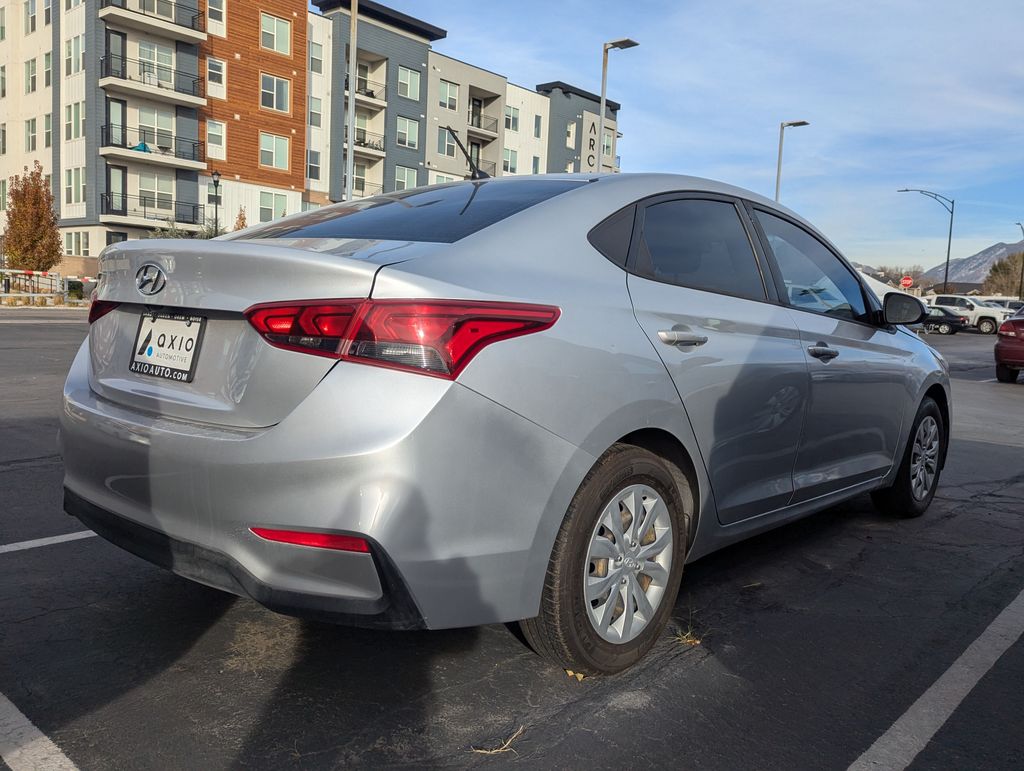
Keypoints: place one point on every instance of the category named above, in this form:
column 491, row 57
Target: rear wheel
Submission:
column 945, row 329
column 615, row 568
column 987, row 326
column 1006, row 374
column 918, row 476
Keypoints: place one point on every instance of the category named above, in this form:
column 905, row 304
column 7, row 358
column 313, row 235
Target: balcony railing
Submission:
column 362, row 190
column 182, row 14
column 155, row 141
column 151, row 74
column 367, row 139
column 368, row 88
column 483, row 122
column 152, row 206
column 487, row 167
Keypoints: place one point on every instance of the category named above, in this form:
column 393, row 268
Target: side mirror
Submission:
column 970, row 306
column 899, row 308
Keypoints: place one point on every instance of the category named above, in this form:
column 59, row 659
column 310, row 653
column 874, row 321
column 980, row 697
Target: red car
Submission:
column 1010, row 348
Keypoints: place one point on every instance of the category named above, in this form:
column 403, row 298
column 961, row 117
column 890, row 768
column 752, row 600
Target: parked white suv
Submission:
column 985, row 318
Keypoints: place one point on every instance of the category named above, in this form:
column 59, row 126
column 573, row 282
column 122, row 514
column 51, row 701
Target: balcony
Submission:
column 150, row 211
column 490, row 168
column 369, row 93
column 148, row 145
column 363, row 190
column 151, row 80
column 180, row 21
column 368, row 143
column 483, row 125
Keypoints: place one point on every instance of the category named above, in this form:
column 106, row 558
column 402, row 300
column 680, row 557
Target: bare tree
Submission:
column 32, row 239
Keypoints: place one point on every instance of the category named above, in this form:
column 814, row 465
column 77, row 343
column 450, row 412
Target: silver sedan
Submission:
column 524, row 399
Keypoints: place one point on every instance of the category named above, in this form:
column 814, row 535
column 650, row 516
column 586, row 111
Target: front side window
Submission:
column 700, row 245
column 408, row 132
column 408, row 83
column 445, row 142
column 274, row 151
column 816, row 280
column 512, row 118
column 275, row 34
column 449, row 95
column 272, row 206
column 275, row 93
column 405, row 178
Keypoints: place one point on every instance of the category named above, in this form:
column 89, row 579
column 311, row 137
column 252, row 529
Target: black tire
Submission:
column 563, row 632
column 899, row 500
column 987, row 326
column 945, row 329
column 1005, row 374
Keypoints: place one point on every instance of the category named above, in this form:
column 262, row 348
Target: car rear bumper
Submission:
column 461, row 496
column 1010, row 352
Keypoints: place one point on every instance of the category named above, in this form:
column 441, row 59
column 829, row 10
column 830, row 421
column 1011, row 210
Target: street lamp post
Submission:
column 1020, row 286
column 782, row 132
column 949, row 205
column 216, row 203
column 623, row 43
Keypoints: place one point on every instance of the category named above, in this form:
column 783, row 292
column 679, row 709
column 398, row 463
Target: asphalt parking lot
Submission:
column 798, row 649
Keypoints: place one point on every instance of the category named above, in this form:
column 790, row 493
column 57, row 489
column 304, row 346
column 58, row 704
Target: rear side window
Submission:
column 700, row 245
column 442, row 213
column 816, row 280
column 611, row 237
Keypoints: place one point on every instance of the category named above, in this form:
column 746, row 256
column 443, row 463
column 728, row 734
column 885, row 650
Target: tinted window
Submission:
column 611, row 238
column 816, row 280
column 442, row 213
column 701, row 245
column 944, row 301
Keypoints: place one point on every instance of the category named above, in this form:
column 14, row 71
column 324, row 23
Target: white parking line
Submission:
column 898, row 746
column 45, row 541
column 23, row 747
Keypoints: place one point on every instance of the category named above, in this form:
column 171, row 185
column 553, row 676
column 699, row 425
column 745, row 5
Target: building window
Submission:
column 445, row 142
column 3, row 195
column 30, row 76
column 215, row 10
column 74, row 185
column 536, row 126
column 156, row 190
column 69, row 4
column 511, row 118
column 30, row 16
column 3, row 81
column 3, row 139
column 274, row 151
column 408, row 83
column 215, row 71
column 214, row 195
column 76, row 242
column 272, row 206
column 48, row 130
column 3, row 26
column 315, row 111
column 449, row 98
column 156, row 127
column 275, row 93
column 408, row 132
column 47, row 69
column 316, row 57
column 405, row 177
column 74, row 121
column 275, row 34
column 216, row 144
column 508, row 162
column 606, row 149
column 359, row 178
column 442, row 179
column 536, row 164
column 47, row 12
column 30, row 135
column 570, row 136
column 313, row 164
column 74, row 54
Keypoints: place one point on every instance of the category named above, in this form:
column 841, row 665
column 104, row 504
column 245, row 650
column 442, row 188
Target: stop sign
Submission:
column 906, row 282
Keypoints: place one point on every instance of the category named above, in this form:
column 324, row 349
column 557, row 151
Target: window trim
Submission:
column 874, row 309
column 288, row 152
column 275, row 78
column 274, row 49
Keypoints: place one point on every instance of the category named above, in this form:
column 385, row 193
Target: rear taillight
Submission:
column 434, row 337
column 1006, row 328
column 315, row 540
column 100, row 308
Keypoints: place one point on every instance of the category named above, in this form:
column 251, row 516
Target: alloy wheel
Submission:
column 924, row 458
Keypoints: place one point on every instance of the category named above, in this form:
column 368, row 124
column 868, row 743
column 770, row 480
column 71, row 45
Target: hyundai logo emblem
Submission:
column 150, row 279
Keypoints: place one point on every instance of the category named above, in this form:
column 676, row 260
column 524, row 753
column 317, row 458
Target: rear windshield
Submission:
column 442, row 213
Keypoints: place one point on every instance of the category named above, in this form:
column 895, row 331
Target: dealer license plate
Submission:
column 167, row 346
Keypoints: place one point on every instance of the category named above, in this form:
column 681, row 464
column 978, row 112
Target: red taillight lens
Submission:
column 1006, row 329
column 315, row 540
column 100, row 308
column 435, row 337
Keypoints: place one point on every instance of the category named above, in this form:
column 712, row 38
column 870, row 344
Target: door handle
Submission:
column 822, row 351
column 681, row 339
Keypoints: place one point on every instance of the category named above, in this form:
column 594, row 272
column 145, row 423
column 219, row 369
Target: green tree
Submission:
column 32, row 239
column 1004, row 276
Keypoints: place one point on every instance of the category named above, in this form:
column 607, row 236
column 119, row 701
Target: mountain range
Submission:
column 973, row 269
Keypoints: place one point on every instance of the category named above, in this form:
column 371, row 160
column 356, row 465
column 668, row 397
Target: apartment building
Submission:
column 136, row 107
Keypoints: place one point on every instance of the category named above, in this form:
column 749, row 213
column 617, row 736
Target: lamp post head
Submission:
column 795, row 123
column 216, row 178
column 621, row 43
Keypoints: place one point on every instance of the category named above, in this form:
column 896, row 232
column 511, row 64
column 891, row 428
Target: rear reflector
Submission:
column 100, row 308
column 316, row 540
column 432, row 337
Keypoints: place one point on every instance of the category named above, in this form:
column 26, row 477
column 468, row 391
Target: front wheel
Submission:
column 1006, row 374
column 918, row 476
column 616, row 565
column 986, row 326
column 945, row 329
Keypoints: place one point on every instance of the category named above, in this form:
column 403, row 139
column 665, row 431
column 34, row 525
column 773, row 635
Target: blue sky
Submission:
column 904, row 93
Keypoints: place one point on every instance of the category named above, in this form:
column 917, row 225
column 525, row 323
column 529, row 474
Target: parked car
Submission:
column 944, row 322
column 1013, row 305
column 1009, row 350
column 522, row 399
column 984, row 318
